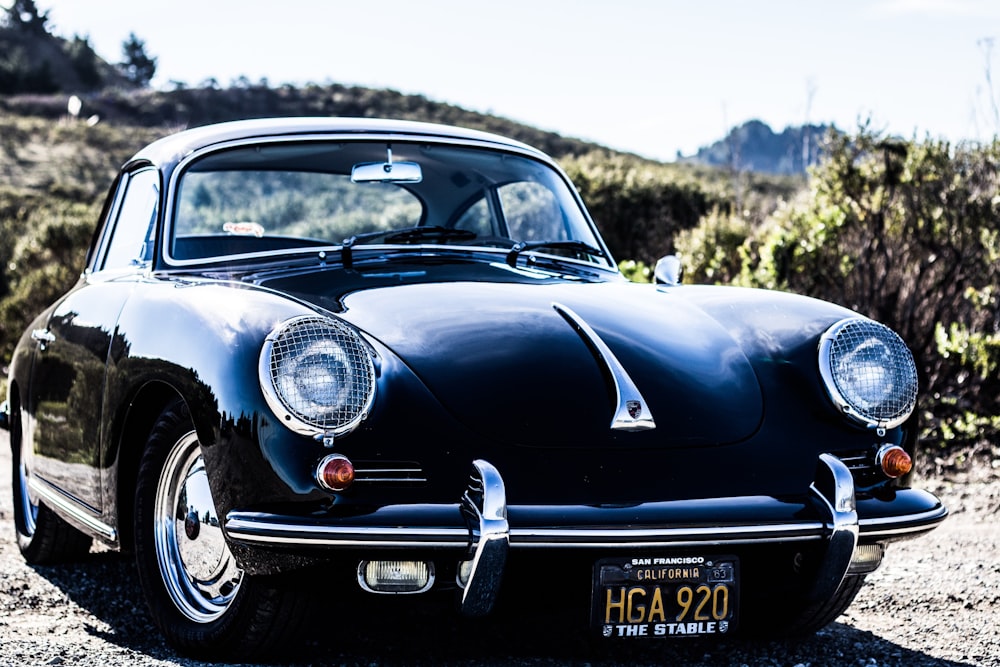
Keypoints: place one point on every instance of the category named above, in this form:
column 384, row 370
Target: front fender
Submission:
column 202, row 340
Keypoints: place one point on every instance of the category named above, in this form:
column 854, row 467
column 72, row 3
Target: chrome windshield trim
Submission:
column 400, row 135
column 81, row 513
column 631, row 413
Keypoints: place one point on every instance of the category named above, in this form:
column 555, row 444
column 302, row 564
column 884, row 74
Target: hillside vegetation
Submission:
column 905, row 232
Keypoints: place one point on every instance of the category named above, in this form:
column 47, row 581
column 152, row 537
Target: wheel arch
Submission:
column 144, row 408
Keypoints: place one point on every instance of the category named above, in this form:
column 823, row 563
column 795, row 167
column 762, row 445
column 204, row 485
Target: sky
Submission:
column 653, row 77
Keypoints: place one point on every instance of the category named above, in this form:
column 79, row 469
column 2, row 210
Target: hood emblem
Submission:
column 631, row 412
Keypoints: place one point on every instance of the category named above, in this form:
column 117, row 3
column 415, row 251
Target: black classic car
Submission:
column 400, row 355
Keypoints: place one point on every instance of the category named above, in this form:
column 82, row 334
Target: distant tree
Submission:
column 20, row 74
column 23, row 15
column 138, row 66
column 84, row 61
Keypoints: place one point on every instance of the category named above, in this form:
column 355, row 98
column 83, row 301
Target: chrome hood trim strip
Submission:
column 631, row 413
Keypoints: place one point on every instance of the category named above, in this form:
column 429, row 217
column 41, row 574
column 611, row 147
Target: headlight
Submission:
column 868, row 372
column 317, row 375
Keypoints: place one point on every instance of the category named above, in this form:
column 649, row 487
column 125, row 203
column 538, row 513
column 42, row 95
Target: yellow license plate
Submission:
column 666, row 596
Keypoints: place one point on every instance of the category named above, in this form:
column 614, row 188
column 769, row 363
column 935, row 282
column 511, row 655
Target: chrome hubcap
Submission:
column 200, row 573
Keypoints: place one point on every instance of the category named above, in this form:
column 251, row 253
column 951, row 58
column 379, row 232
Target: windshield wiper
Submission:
column 405, row 235
column 579, row 246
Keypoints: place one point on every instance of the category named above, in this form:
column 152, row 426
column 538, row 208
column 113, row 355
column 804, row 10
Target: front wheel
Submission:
column 197, row 594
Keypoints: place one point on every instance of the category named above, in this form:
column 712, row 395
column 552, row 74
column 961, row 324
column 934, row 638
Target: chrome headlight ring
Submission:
column 868, row 372
column 317, row 375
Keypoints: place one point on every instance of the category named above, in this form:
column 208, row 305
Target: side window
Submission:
column 532, row 212
column 134, row 231
column 477, row 219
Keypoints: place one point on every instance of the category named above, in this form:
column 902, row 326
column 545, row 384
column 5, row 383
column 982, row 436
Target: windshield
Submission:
column 283, row 197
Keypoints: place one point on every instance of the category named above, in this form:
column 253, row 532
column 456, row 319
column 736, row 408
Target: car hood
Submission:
column 503, row 360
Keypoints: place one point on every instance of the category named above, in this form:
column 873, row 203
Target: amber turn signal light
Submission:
column 335, row 472
column 894, row 461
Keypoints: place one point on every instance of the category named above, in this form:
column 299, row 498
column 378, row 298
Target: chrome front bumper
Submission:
column 483, row 528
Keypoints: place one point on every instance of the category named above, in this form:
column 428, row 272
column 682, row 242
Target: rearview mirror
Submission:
column 386, row 172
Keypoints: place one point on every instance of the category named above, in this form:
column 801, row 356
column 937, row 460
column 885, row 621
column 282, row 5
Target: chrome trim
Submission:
column 262, row 530
column 584, row 538
column 834, row 486
column 631, row 413
column 485, row 507
column 246, row 528
column 398, row 475
column 71, row 507
column 926, row 521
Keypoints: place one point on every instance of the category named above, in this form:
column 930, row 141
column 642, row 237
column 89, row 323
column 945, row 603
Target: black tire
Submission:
column 775, row 619
column 818, row 615
column 204, row 604
column 42, row 536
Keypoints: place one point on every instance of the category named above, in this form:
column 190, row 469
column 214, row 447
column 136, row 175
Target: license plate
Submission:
column 666, row 596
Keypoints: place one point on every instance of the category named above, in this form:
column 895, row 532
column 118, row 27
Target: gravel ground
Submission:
column 935, row 601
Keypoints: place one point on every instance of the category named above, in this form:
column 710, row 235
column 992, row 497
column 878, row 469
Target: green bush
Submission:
column 43, row 241
column 716, row 250
column 637, row 272
column 639, row 206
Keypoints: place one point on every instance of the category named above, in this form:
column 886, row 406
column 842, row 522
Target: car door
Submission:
column 68, row 375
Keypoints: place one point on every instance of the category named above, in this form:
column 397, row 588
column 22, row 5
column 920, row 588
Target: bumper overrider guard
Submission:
column 481, row 528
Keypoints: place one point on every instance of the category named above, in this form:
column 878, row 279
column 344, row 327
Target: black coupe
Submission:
column 399, row 355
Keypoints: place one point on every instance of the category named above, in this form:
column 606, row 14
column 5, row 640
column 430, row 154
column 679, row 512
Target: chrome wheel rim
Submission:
column 199, row 572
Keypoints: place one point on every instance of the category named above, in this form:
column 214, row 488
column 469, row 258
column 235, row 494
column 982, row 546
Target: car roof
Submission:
column 174, row 147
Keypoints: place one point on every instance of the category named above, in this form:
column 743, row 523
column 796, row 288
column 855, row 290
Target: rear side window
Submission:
column 134, row 231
